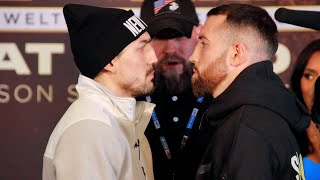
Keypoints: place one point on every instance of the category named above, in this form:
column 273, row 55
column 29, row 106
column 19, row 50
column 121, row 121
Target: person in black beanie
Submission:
column 101, row 135
column 176, row 139
column 254, row 115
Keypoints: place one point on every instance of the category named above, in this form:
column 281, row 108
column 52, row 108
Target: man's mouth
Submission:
column 150, row 72
column 171, row 64
column 194, row 70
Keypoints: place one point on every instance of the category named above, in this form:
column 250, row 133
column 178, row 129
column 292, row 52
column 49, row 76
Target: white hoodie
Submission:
column 100, row 136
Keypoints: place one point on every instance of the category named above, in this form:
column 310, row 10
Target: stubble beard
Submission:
column 143, row 89
column 208, row 81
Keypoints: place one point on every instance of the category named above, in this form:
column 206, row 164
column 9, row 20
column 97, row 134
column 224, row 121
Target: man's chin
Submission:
column 199, row 87
column 174, row 84
column 150, row 89
column 144, row 93
column 170, row 73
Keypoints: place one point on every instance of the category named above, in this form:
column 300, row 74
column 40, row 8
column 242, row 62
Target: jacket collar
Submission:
column 258, row 85
column 121, row 107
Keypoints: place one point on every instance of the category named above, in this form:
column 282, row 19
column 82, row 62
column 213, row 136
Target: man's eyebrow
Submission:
column 146, row 41
column 203, row 37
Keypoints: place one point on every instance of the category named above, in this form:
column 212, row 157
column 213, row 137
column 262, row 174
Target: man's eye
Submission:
column 143, row 46
column 202, row 43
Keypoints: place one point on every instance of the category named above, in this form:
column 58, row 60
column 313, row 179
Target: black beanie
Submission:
column 98, row 35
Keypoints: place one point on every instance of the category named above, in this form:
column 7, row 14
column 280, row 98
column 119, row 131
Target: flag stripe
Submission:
column 158, row 5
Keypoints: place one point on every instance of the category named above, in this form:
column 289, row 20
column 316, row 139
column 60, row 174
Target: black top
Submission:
column 255, row 119
column 173, row 112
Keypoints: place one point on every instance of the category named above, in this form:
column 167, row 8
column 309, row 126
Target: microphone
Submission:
column 315, row 110
column 307, row 19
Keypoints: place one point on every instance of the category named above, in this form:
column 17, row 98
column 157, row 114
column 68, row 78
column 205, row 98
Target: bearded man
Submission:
column 176, row 140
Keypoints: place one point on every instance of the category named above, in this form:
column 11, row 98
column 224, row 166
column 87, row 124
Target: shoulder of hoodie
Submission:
column 270, row 126
column 263, row 120
column 271, row 129
column 87, row 108
column 80, row 110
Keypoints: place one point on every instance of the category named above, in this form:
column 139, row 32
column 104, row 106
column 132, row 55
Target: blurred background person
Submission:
column 174, row 26
column 305, row 74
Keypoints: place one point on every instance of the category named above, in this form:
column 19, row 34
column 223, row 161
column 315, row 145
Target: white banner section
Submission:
column 50, row 19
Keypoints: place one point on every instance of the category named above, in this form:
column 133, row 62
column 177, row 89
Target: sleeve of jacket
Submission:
column 89, row 149
column 252, row 158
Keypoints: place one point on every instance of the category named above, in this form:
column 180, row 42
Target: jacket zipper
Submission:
column 137, row 145
column 200, row 125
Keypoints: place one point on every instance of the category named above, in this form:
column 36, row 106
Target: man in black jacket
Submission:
column 175, row 138
column 255, row 117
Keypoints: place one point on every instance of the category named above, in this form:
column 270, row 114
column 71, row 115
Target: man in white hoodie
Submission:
column 101, row 135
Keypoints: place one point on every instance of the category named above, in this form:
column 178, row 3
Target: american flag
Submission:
column 159, row 4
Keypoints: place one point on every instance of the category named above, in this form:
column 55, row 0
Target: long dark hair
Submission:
column 295, row 80
column 301, row 63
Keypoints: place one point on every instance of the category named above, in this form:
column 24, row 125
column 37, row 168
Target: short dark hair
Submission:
column 301, row 64
column 256, row 18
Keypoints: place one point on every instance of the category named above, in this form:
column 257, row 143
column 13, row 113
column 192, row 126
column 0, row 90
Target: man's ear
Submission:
column 110, row 67
column 238, row 54
column 196, row 30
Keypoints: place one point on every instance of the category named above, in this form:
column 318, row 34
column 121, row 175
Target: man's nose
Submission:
column 171, row 47
column 193, row 56
column 153, row 57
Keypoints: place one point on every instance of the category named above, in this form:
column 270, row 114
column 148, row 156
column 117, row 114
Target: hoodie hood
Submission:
column 258, row 85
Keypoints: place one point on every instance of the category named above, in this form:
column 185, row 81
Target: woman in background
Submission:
column 306, row 72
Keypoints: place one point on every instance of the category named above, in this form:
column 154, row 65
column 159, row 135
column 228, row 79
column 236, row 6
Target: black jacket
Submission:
column 255, row 119
column 184, row 163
